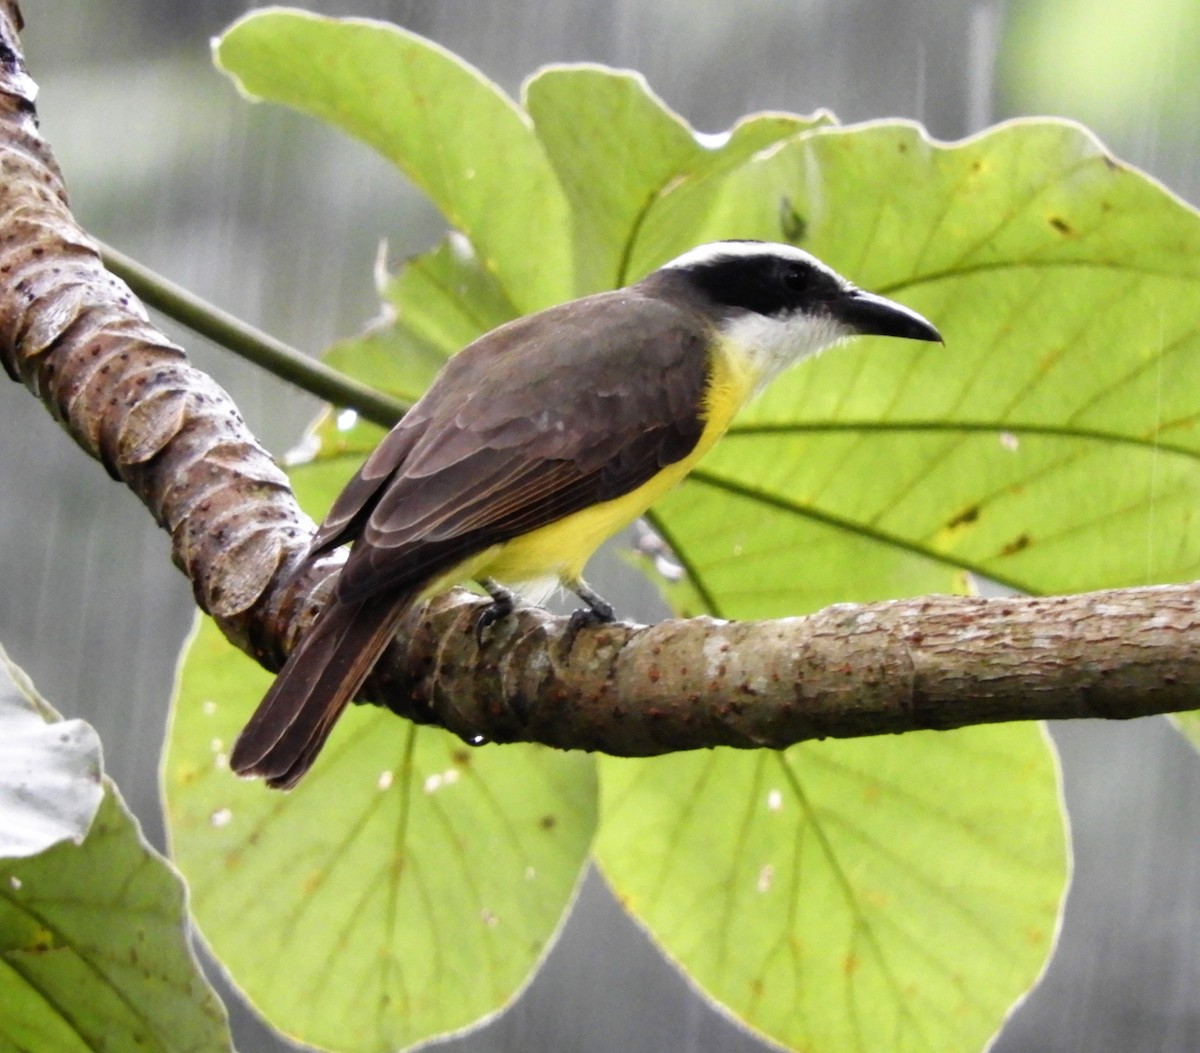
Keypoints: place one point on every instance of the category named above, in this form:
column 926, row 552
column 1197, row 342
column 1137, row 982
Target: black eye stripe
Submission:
column 767, row 285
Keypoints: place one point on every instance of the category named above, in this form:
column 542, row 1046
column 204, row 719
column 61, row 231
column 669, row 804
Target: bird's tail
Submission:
column 320, row 677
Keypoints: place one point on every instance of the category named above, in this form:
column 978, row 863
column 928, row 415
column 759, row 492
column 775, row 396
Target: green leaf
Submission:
column 848, row 895
column 619, row 152
column 588, row 117
column 94, row 951
column 407, row 888
column 676, row 221
column 49, row 770
column 1051, row 444
column 452, row 131
column 447, row 299
column 435, row 305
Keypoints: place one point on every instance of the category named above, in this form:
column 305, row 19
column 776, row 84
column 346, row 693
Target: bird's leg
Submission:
column 598, row 608
column 597, row 612
column 503, row 602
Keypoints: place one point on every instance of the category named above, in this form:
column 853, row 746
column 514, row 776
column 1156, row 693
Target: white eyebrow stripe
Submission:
column 716, row 250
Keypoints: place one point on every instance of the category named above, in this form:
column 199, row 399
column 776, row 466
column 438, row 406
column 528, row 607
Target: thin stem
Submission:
column 252, row 344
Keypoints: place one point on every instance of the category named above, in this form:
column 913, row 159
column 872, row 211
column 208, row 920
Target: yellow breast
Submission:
column 561, row 549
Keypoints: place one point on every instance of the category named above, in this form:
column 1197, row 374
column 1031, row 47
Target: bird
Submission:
column 536, row 443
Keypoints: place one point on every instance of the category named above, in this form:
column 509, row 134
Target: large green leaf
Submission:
column 435, row 304
column 1051, row 444
column 837, row 897
column 411, row 883
column 588, row 117
column 406, row 889
column 452, row 131
column 94, row 951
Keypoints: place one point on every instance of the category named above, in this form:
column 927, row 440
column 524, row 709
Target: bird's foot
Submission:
column 597, row 612
column 503, row 602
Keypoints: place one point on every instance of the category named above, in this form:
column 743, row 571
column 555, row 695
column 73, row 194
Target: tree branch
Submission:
column 78, row 339
column 850, row 670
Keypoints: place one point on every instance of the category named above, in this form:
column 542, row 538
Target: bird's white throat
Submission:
column 771, row 344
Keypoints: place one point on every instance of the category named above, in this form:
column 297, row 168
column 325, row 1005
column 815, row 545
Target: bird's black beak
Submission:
column 871, row 315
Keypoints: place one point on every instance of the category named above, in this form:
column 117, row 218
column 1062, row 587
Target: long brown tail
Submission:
column 320, row 677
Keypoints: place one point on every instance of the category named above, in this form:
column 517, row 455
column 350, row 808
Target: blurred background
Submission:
column 279, row 221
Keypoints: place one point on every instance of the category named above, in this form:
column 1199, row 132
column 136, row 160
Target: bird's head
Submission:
column 778, row 304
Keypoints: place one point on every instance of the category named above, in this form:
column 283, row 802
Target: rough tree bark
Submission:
column 76, row 337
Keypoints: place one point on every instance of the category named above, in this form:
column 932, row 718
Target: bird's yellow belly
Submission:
column 561, row 549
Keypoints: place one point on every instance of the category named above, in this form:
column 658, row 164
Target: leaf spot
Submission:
column 1016, row 545
column 792, row 225
column 965, row 517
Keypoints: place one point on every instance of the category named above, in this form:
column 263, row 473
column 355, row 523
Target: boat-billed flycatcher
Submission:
column 539, row 441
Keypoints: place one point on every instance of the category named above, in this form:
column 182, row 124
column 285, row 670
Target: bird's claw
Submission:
column 501, row 607
column 597, row 612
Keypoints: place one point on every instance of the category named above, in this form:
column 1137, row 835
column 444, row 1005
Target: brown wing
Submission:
column 353, row 505
column 593, row 399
